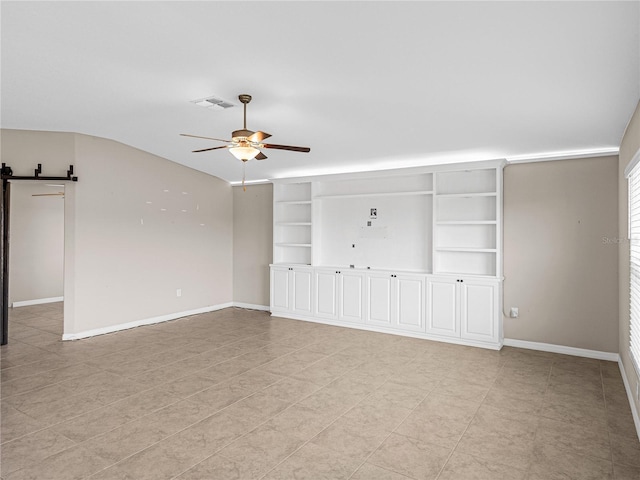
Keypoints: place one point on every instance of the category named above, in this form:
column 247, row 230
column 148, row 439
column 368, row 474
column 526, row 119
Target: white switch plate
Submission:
column 514, row 312
column 179, row 292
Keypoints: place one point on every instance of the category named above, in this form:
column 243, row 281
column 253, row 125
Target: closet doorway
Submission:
column 36, row 262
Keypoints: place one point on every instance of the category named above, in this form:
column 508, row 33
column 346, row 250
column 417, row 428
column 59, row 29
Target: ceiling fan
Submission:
column 245, row 144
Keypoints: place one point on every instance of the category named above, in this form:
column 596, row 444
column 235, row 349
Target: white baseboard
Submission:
column 251, row 306
column 37, row 301
column 549, row 347
column 145, row 321
column 632, row 404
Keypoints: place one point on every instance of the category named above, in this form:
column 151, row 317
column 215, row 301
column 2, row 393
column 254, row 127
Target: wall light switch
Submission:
column 514, row 312
column 179, row 292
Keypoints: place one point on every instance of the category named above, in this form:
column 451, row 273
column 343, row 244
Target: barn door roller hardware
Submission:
column 7, row 174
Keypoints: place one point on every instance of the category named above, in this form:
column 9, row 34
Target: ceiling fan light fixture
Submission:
column 244, row 153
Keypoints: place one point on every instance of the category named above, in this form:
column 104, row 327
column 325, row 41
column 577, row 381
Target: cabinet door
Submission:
column 379, row 300
column 479, row 314
column 326, row 289
column 302, row 282
column 409, row 303
column 442, row 307
column 350, row 296
column 279, row 289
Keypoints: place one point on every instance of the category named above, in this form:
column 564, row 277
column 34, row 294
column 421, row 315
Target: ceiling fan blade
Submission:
column 258, row 136
column 206, row 138
column 260, row 156
column 208, row 149
column 287, row 147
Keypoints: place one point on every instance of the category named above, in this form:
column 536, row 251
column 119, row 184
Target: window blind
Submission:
column 634, row 251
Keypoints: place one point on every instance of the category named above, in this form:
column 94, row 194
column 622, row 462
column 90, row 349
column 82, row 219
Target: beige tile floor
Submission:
column 237, row 394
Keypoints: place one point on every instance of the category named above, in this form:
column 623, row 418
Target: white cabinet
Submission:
column 379, row 299
column 326, row 294
column 480, row 310
column 409, row 302
column 439, row 307
column 350, row 296
column 396, row 301
column 339, row 295
column 442, row 307
column 464, row 307
column 291, row 290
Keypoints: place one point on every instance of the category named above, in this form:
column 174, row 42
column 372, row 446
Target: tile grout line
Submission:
column 122, row 399
column 325, row 428
column 269, row 419
column 216, row 413
column 469, row 424
column 136, row 419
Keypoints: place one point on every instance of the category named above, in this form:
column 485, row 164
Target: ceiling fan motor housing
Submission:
column 241, row 133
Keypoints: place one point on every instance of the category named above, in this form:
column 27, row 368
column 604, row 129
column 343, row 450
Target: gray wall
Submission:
column 628, row 148
column 252, row 243
column 125, row 257
column 560, row 253
column 36, row 243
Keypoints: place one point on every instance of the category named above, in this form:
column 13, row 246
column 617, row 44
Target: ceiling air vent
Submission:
column 213, row 103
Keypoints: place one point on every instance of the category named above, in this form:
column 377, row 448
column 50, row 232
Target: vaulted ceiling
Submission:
column 366, row 85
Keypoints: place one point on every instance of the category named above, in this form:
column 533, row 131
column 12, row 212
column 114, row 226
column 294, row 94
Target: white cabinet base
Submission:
column 433, row 307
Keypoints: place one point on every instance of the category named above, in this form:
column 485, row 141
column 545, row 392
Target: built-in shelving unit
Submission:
column 466, row 216
column 292, row 223
column 414, row 250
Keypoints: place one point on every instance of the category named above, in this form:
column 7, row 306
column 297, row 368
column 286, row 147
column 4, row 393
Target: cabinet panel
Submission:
column 302, row 291
column 351, row 297
column 326, row 294
column 280, row 288
column 409, row 303
column 379, row 300
column 442, row 316
column 478, row 303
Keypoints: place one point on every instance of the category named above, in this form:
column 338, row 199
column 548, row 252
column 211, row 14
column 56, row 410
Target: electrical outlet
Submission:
column 179, row 292
column 514, row 312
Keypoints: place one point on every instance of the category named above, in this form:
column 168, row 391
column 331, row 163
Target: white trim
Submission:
column 145, row 321
column 251, row 306
column 386, row 172
column 632, row 404
column 549, row 347
column 550, row 156
column 632, row 164
column 239, row 183
column 37, row 301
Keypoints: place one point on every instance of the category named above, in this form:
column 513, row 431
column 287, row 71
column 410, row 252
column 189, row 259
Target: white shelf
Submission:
column 387, row 194
column 467, row 222
column 436, row 219
column 292, row 221
column 464, row 249
column 466, row 195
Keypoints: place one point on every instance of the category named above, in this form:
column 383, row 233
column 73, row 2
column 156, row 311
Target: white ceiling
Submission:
column 366, row 85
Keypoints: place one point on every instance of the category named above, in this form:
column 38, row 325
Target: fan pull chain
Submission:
column 244, row 169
